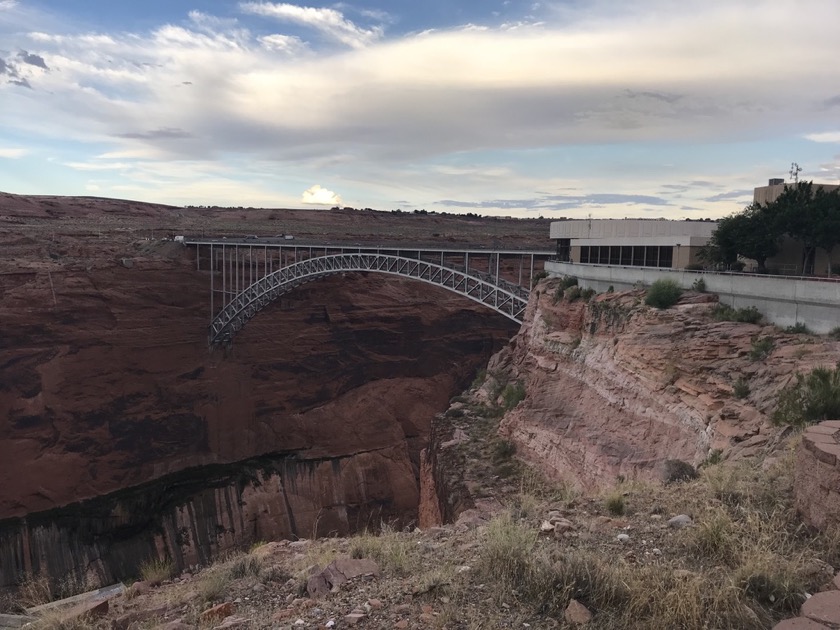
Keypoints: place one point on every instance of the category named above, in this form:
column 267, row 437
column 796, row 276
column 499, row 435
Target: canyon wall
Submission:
column 107, row 383
column 614, row 388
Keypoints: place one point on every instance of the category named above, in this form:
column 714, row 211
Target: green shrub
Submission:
column 615, row 503
column 675, row 470
column 812, row 398
column 761, row 348
column 715, row 457
column 663, row 293
column 587, row 294
column 540, row 275
column 503, row 450
column 567, row 281
column 513, row 394
column 798, row 328
column 479, row 379
column 699, row 285
column 611, row 289
column 573, row 293
column 835, row 333
column 741, row 388
column 724, row 313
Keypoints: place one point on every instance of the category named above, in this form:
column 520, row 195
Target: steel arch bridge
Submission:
column 503, row 297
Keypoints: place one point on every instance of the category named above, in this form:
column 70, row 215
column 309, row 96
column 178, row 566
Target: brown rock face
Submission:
column 107, row 383
column 617, row 388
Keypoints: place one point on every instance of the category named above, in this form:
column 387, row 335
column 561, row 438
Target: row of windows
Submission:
column 628, row 256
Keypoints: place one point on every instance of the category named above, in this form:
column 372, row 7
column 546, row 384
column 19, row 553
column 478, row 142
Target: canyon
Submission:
column 125, row 437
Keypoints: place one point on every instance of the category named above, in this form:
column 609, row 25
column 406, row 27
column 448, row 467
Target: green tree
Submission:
column 810, row 216
column 753, row 233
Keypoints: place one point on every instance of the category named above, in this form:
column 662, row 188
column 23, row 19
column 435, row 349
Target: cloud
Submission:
column 320, row 196
column 329, row 22
column 21, row 83
column 827, row 136
column 657, row 96
column 6, row 5
column 733, row 194
column 164, row 133
column 288, row 44
column 12, row 153
column 32, row 59
column 556, row 202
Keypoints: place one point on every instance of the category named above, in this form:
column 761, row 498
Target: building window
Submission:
column 584, row 254
column 564, row 249
column 666, row 256
column 626, row 256
column 638, row 255
column 604, row 255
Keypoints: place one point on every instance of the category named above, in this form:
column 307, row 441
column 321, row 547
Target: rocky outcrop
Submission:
column 615, row 388
column 817, row 475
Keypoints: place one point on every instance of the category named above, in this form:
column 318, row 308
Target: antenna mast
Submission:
column 795, row 169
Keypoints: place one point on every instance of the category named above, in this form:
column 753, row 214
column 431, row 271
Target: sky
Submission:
column 570, row 108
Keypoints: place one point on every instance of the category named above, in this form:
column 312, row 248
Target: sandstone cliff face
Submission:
column 199, row 513
column 106, row 383
column 614, row 388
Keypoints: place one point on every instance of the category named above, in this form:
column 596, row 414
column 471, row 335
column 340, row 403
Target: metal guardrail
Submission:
column 505, row 298
column 747, row 274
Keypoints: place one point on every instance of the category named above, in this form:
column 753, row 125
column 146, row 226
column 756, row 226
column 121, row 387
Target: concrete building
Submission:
column 775, row 187
column 631, row 242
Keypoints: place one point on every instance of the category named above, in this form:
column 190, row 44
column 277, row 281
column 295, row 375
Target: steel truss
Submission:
column 506, row 298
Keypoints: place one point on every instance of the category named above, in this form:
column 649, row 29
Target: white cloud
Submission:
column 12, row 153
column 320, row 196
column 5, row 5
column 288, row 44
column 330, row 22
column 828, row 136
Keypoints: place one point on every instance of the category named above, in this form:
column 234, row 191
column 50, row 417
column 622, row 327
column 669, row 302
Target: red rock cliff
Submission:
column 614, row 387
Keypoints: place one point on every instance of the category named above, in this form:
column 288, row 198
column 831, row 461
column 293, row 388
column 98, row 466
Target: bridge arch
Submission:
column 503, row 297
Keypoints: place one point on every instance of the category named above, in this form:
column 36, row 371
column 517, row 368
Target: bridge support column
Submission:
column 212, row 284
column 531, row 277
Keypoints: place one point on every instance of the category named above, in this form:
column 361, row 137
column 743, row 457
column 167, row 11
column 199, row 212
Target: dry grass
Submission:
column 58, row 620
column 216, row 580
column 34, row 591
column 395, row 552
column 156, row 571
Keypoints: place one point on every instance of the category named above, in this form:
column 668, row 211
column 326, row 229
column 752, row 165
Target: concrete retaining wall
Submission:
column 817, row 476
column 783, row 301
